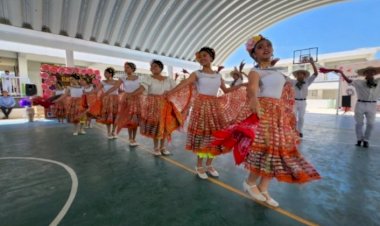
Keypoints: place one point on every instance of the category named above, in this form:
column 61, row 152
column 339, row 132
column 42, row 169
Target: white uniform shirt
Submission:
column 76, row 91
column 364, row 92
column 302, row 93
column 88, row 89
column 208, row 84
column 130, row 85
column 157, row 87
column 271, row 83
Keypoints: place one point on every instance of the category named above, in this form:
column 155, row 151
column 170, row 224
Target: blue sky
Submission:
column 336, row 27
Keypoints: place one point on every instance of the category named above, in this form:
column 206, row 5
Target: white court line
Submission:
column 74, row 185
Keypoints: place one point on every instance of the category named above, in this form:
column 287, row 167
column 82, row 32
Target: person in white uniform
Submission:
column 368, row 92
column 7, row 81
column 301, row 88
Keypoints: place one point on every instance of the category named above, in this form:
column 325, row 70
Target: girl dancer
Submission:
column 274, row 152
column 209, row 113
column 90, row 97
column 60, row 112
column 130, row 106
column 75, row 110
column 110, row 102
column 159, row 118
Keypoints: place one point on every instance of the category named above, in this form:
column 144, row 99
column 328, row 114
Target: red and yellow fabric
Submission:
column 129, row 112
column 109, row 109
column 159, row 117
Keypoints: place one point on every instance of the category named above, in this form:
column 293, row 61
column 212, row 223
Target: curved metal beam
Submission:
column 159, row 23
column 211, row 34
column 242, row 35
column 167, row 37
column 201, row 22
column 188, row 26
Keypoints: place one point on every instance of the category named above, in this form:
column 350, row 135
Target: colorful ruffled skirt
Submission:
column 159, row 117
column 274, row 152
column 109, row 109
column 129, row 113
column 209, row 114
column 75, row 110
column 60, row 110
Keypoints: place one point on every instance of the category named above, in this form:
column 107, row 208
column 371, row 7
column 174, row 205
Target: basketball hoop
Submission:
column 302, row 56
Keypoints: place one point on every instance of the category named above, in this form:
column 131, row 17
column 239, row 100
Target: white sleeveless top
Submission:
column 107, row 87
column 130, row 85
column 208, row 84
column 88, row 89
column 157, row 87
column 59, row 92
column 76, row 92
column 271, row 83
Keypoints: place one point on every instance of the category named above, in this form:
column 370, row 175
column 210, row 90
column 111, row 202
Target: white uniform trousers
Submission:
column 300, row 109
column 369, row 111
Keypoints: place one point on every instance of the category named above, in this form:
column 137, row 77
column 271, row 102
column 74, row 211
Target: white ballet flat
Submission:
column 212, row 171
column 201, row 175
column 270, row 201
column 255, row 196
column 165, row 152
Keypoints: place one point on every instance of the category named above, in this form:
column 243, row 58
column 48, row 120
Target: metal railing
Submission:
column 15, row 85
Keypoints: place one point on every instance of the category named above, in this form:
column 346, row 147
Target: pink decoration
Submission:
column 44, row 75
column 44, row 86
column 98, row 77
column 53, row 70
column 44, row 67
column 61, row 70
column 97, row 72
column 90, row 71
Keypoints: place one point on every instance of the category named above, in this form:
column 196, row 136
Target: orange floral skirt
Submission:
column 60, row 110
column 129, row 113
column 274, row 152
column 209, row 114
column 159, row 117
column 110, row 107
column 75, row 110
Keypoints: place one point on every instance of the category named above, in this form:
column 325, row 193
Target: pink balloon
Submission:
column 44, row 75
column 77, row 70
column 97, row 72
column 44, row 86
column 90, row 71
column 61, row 70
column 48, row 92
column 53, row 70
column 44, row 67
column 98, row 77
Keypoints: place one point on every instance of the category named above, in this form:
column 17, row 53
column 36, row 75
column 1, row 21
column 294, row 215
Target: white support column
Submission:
column 22, row 65
column 170, row 71
column 22, row 73
column 69, row 58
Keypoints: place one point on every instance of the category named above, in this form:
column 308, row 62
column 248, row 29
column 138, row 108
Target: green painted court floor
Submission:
column 118, row 185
